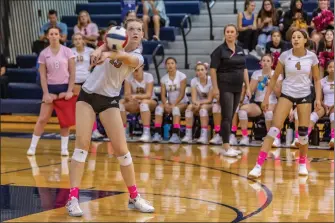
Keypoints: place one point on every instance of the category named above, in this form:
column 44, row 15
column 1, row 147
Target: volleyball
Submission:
column 116, row 38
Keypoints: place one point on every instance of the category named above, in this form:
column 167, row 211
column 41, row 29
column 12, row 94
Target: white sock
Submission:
column 64, row 142
column 34, row 141
column 146, row 130
column 189, row 132
column 204, row 133
column 65, row 166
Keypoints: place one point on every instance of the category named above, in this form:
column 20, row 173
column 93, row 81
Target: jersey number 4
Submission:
column 298, row 66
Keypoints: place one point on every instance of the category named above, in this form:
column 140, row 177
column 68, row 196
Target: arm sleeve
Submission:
column 216, row 58
column 282, row 57
column 41, row 58
column 193, row 82
column 149, row 78
column 255, row 75
column 315, row 60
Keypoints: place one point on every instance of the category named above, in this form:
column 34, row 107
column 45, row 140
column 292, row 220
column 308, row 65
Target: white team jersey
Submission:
column 297, row 83
column 328, row 91
column 259, row 94
column 173, row 87
column 82, row 64
column 107, row 78
column 202, row 90
column 140, row 87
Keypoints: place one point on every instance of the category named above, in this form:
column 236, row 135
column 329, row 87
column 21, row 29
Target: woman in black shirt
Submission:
column 228, row 71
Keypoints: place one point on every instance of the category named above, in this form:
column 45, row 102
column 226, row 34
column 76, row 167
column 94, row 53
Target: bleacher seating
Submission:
column 26, row 61
column 22, row 75
column 20, row 106
column 24, row 91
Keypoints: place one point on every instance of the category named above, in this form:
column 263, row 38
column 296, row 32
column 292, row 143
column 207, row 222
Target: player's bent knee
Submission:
column 188, row 113
column 203, row 112
column 268, row 115
column 273, row 132
column 303, row 135
column 122, row 108
column 314, row 117
column 144, row 107
column 125, row 160
column 176, row 111
column 216, row 108
column 79, row 155
column 242, row 115
column 159, row 111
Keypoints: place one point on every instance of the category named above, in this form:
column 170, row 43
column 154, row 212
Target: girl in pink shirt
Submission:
column 57, row 71
column 86, row 27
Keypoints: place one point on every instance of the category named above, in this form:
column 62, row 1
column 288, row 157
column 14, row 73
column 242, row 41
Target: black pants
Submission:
column 229, row 102
column 248, row 39
column 3, row 86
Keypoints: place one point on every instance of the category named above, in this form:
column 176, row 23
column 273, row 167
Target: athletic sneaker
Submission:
column 174, row 139
column 64, row 152
column 203, row 140
column 96, row 134
column 216, row 140
column 73, row 208
column 255, row 172
column 232, row 139
column 276, row 143
column 140, row 204
column 187, row 139
column 244, row 141
column 303, row 170
column 331, row 143
column 31, row 151
column 230, row 152
column 157, row 137
column 146, row 137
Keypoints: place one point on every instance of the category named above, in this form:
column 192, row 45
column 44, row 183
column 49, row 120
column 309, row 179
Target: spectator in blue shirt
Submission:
column 128, row 5
column 52, row 16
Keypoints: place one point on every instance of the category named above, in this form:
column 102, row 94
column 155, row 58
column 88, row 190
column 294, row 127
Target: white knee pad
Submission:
column 188, row 114
column 144, row 107
column 314, row 117
column 331, row 117
column 237, row 109
column 295, row 114
column 268, row 115
column 273, row 132
column 122, row 108
column 203, row 112
column 79, row 155
column 159, row 111
column 242, row 115
column 125, row 160
column 176, row 111
column 216, row 108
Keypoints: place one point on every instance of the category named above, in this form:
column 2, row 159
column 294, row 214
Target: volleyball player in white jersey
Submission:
column 100, row 95
column 296, row 88
column 174, row 85
column 139, row 97
column 258, row 86
column 202, row 97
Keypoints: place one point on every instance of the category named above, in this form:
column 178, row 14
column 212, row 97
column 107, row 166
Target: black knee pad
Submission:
column 303, row 131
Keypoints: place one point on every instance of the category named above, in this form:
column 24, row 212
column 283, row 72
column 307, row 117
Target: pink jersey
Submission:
column 57, row 65
column 90, row 30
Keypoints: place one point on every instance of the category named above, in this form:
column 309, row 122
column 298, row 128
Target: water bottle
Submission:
column 166, row 133
column 261, row 85
column 289, row 136
column 315, row 136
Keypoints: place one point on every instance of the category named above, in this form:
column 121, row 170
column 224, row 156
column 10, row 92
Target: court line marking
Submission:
column 19, row 170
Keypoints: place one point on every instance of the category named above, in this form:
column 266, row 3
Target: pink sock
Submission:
column 188, row 127
column 217, row 128
column 234, row 128
column 296, row 134
column 302, row 159
column 133, row 191
column 309, row 130
column 158, row 125
column 278, row 136
column 332, row 133
column 74, row 192
column 244, row 132
column 176, row 126
column 146, row 126
column 95, row 126
column 125, row 126
column 261, row 157
column 204, row 127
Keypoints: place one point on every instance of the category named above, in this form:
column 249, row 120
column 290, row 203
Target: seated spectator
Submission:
column 267, row 21
column 321, row 25
column 3, row 77
column 53, row 22
column 154, row 16
column 276, row 44
column 316, row 37
column 102, row 32
column 129, row 15
column 128, row 6
column 325, row 51
column 296, row 17
column 87, row 28
column 247, row 27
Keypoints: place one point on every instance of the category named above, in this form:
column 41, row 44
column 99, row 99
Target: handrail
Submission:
column 159, row 50
column 210, row 4
column 182, row 24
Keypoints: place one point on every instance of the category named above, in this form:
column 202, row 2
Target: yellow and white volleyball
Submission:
column 116, row 38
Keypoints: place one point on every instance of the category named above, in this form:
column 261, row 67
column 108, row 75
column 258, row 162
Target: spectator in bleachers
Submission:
column 276, row 44
column 139, row 97
column 129, row 15
column 102, row 32
column 267, row 21
column 87, row 28
column 316, row 37
column 247, row 26
column 154, row 16
column 57, row 70
column 326, row 50
column 258, row 85
column 82, row 57
column 128, row 6
column 53, row 22
column 321, row 24
column 202, row 97
column 3, row 77
column 174, row 100
column 296, row 17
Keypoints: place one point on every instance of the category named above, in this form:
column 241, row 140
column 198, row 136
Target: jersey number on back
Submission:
column 298, row 66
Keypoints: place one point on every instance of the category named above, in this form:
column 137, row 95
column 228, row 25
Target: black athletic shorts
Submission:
column 305, row 100
column 98, row 102
column 80, row 84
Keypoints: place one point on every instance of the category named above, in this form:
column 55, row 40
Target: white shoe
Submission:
column 64, row 152
column 145, row 137
column 174, row 139
column 96, row 134
column 239, row 152
column 295, row 143
column 73, row 208
column 244, row 141
column 303, row 170
column 203, row 140
column 187, row 139
column 232, row 140
column 216, row 140
column 31, row 151
column 140, row 204
column 276, row 143
column 255, row 172
column 157, row 137
column 331, row 143
column 230, row 152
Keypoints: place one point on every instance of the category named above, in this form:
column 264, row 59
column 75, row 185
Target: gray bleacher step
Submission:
column 202, row 33
column 218, row 20
column 196, row 44
column 192, row 60
column 181, row 51
column 228, row 7
column 190, row 73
